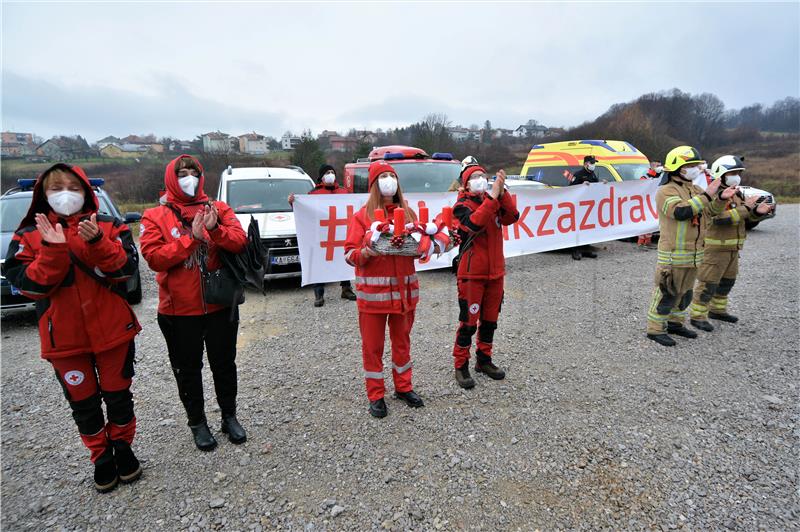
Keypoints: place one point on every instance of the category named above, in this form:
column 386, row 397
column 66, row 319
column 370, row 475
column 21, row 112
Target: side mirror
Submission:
column 132, row 217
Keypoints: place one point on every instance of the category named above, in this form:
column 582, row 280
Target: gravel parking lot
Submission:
column 594, row 427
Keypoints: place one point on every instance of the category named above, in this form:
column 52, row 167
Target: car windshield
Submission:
column 630, row 172
column 14, row 208
column 426, row 176
column 264, row 195
column 555, row 176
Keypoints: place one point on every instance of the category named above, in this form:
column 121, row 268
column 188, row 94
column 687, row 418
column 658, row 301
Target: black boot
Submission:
column 411, row 398
column 589, row 254
column 576, row 254
column 128, row 466
column 723, row 316
column 203, row 438
column 484, row 365
column 663, row 339
column 703, row 325
column 347, row 293
column 680, row 330
column 234, row 430
column 105, row 472
column 319, row 295
column 377, row 408
column 463, row 378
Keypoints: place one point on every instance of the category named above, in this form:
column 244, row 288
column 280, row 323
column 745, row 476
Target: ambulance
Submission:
column 553, row 164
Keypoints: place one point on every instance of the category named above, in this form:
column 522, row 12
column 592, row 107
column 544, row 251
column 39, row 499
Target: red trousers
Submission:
column 84, row 379
column 373, row 336
column 479, row 304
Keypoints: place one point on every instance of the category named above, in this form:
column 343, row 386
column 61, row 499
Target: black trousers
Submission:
column 319, row 288
column 185, row 336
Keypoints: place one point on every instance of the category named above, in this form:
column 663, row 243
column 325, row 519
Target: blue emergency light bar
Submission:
column 26, row 184
column 442, row 156
column 393, row 155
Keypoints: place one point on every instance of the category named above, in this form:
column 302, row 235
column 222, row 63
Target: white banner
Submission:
column 552, row 218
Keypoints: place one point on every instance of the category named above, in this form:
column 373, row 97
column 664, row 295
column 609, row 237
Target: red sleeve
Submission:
column 228, row 234
column 474, row 221
column 114, row 253
column 37, row 273
column 355, row 241
column 160, row 254
column 508, row 210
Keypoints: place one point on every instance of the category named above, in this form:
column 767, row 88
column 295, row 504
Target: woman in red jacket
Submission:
column 481, row 211
column 387, row 290
column 74, row 263
column 175, row 238
column 327, row 185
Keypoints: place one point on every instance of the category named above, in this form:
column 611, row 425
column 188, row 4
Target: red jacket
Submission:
column 76, row 313
column 170, row 249
column 481, row 218
column 386, row 284
column 325, row 189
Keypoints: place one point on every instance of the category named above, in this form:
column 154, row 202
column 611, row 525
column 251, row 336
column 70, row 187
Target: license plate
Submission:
column 286, row 259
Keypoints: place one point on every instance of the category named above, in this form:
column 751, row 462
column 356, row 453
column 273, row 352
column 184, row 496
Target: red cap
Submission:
column 376, row 169
column 468, row 171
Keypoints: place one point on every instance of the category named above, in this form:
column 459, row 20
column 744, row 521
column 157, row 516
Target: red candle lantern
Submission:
column 399, row 221
column 423, row 215
column 447, row 216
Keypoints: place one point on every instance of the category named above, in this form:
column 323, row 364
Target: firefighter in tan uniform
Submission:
column 724, row 237
column 681, row 206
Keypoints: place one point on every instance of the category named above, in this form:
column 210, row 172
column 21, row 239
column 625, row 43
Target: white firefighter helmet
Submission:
column 725, row 164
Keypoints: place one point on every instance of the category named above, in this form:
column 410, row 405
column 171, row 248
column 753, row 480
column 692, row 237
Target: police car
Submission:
column 262, row 193
column 14, row 205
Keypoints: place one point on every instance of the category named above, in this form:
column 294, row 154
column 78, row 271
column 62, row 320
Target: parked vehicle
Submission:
column 417, row 171
column 262, row 193
column 14, row 205
column 553, row 163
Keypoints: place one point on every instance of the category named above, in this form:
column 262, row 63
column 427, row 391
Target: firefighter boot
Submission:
column 484, row 365
column 680, row 330
column 663, row 339
column 319, row 295
column 463, row 377
column 722, row 316
column 703, row 325
column 128, row 466
column 105, row 472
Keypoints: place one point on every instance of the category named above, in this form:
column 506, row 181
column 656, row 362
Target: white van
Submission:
column 262, row 193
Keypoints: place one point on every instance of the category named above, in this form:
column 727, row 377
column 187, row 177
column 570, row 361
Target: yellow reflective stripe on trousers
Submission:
column 730, row 242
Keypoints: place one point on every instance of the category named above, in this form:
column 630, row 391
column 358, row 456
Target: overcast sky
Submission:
column 99, row 69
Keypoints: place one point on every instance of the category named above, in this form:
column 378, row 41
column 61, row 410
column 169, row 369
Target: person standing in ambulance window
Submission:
column 327, row 185
column 387, row 290
column 482, row 210
column 175, row 238
column 74, row 262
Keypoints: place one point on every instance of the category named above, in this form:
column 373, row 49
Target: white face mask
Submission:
column 690, row 174
column 65, row 202
column 387, row 186
column 189, row 184
column 328, row 179
column 590, row 167
column 476, row 186
column 732, row 180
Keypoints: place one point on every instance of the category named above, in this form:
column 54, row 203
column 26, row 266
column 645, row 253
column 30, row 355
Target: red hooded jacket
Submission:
column 76, row 313
column 480, row 219
column 174, row 254
column 325, row 189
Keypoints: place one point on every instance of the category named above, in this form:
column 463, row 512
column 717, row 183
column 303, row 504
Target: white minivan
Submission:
column 262, row 193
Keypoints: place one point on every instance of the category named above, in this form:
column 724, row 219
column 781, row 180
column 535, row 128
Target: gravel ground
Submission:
column 594, row 427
